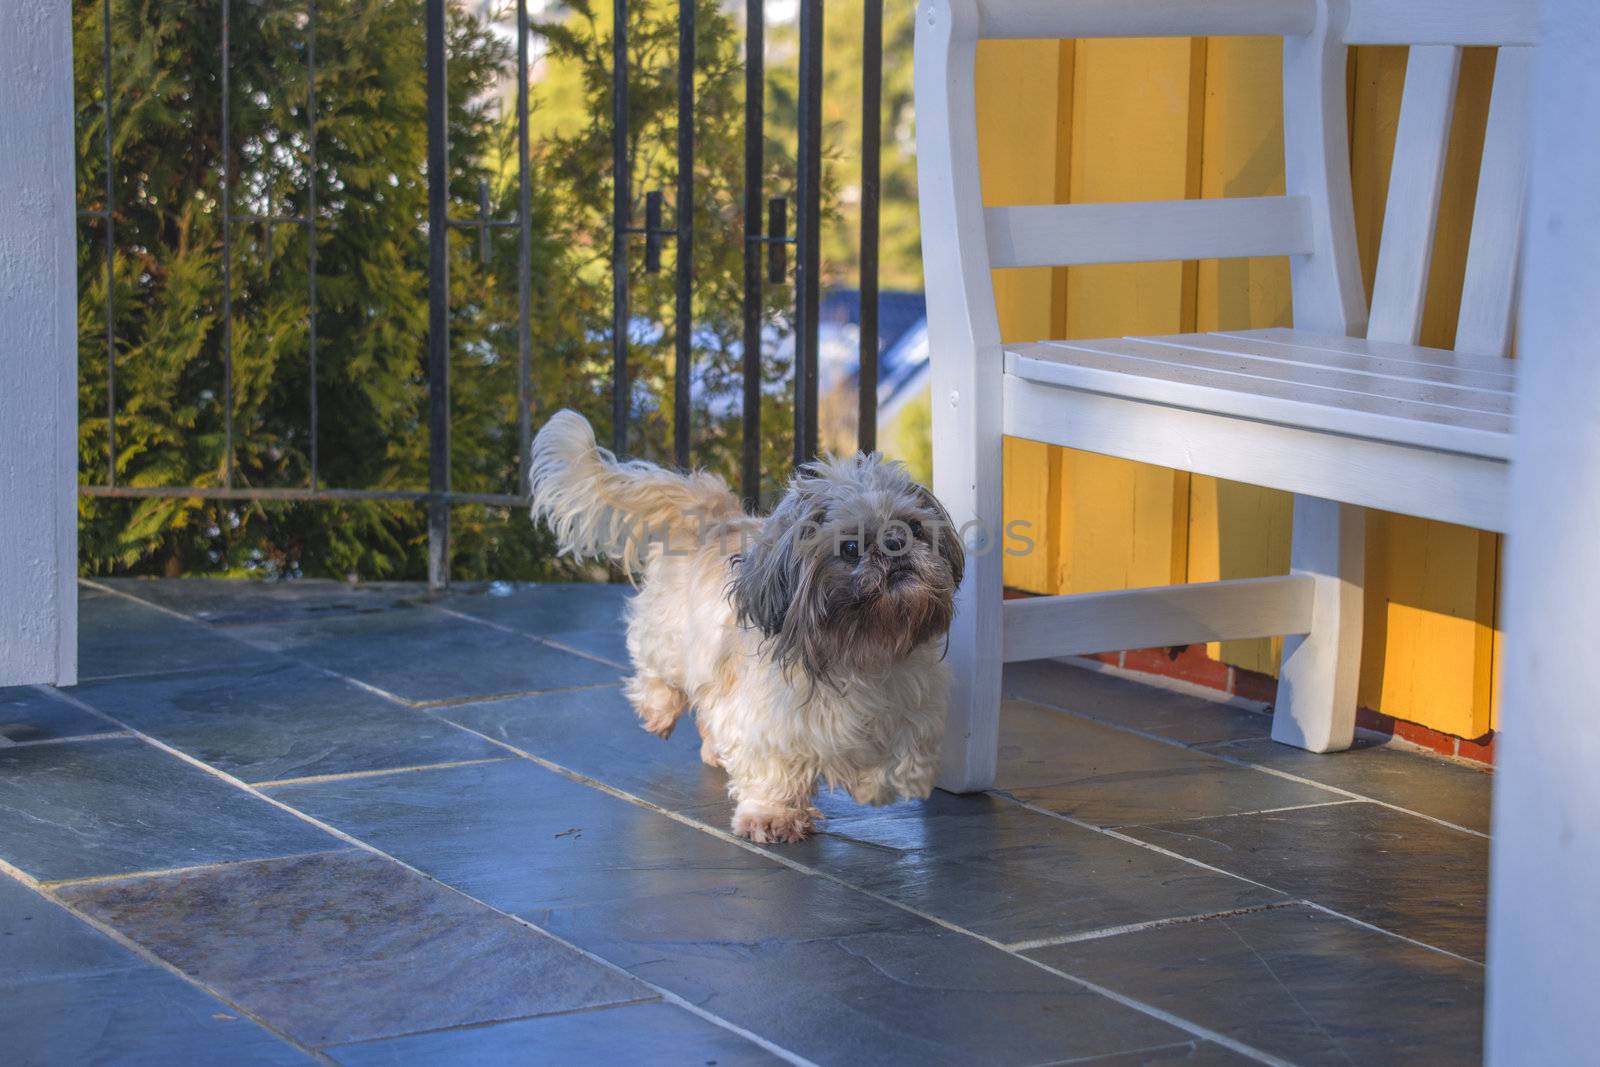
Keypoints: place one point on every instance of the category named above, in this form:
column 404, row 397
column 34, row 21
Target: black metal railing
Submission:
column 762, row 229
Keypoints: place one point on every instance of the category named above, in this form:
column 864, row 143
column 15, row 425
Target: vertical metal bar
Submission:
column 754, row 114
column 871, row 144
column 621, row 218
column 111, row 259
column 438, row 300
column 808, row 232
column 683, row 313
column 227, row 259
column 311, row 224
column 483, row 220
column 524, row 260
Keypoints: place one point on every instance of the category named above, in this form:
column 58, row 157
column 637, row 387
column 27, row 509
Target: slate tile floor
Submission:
column 315, row 823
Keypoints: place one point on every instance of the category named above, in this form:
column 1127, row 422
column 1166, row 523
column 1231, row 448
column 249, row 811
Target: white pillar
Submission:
column 1544, row 923
column 38, row 347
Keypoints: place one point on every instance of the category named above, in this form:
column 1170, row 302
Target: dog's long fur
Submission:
column 803, row 661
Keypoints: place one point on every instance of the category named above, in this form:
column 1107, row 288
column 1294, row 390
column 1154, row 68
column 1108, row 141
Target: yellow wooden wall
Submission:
column 1100, row 120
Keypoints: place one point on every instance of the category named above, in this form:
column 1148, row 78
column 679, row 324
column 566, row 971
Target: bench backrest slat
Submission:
column 1064, row 235
column 1416, row 179
column 1457, row 22
column 1488, row 292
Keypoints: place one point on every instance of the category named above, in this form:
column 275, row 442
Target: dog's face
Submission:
column 857, row 566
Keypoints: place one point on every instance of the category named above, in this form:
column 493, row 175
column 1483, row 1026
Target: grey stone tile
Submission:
column 79, row 810
column 231, row 601
column 26, row 714
column 1435, row 787
column 596, row 733
column 543, row 607
column 764, row 946
column 280, row 720
column 1301, row 984
column 117, row 636
column 585, row 616
column 421, row 654
column 1123, row 702
column 1192, row 1053
column 1110, row 777
column 344, row 947
column 841, row 978
column 70, row 994
column 1404, row 874
column 657, row 1034
column 520, row 837
column 1011, row 874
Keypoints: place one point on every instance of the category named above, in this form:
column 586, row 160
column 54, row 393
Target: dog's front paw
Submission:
column 658, row 722
column 773, row 825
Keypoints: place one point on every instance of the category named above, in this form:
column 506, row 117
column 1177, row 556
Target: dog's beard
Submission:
column 886, row 608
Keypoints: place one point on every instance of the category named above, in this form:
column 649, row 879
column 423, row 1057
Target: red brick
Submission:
column 1480, row 750
column 1444, row 744
column 1253, row 685
column 1368, row 719
column 1188, row 663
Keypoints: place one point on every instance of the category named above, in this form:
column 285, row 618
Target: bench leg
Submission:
column 967, row 470
column 1316, row 706
column 972, row 728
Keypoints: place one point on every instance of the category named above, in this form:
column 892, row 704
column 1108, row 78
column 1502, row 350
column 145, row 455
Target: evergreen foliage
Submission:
column 371, row 277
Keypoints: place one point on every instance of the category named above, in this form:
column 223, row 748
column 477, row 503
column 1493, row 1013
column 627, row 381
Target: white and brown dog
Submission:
column 808, row 642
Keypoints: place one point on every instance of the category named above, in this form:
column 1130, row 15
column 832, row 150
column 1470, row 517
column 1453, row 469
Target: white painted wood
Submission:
column 1433, row 365
column 1144, row 18
column 1544, row 926
column 1421, row 359
column 965, row 371
column 1383, row 349
column 1061, row 235
column 1448, row 486
column 1316, row 705
column 1326, row 283
column 1415, row 182
column 1432, row 401
column 1043, row 627
column 38, row 349
column 1489, row 289
column 1453, row 22
column 1081, row 366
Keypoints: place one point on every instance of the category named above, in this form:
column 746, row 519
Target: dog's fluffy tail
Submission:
column 600, row 508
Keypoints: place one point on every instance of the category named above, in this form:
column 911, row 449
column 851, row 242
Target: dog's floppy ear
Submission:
column 768, row 572
column 946, row 538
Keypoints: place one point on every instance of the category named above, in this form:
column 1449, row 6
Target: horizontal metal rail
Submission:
column 324, row 495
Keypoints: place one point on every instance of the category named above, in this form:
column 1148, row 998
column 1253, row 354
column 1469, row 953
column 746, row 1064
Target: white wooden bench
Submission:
column 1344, row 410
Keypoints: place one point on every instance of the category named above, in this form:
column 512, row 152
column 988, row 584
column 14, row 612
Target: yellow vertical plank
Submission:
column 1017, row 155
column 1135, row 128
column 1429, row 651
column 1235, row 530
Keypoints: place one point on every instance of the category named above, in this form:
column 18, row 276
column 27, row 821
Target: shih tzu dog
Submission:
column 809, row 642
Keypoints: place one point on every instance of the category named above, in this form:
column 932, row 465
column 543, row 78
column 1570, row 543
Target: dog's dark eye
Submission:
column 916, row 528
column 850, row 550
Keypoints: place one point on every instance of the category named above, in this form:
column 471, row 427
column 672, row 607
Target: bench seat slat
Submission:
column 1344, row 389
column 1199, row 381
column 1439, row 357
column 1476, row 390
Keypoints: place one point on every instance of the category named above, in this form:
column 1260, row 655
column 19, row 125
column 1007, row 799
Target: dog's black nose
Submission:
column 893, row 543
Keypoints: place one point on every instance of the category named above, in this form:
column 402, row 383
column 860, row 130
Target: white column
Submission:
column 38, row 348
column 1544, row 925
